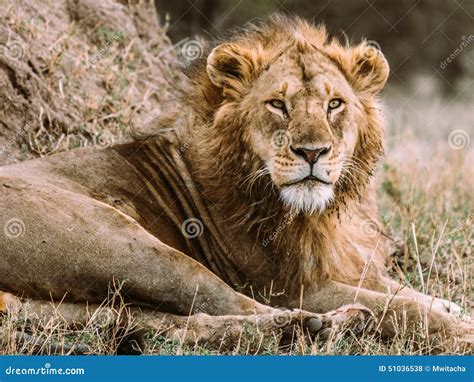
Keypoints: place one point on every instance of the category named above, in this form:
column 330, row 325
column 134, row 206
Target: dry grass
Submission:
column 426, row 195
column 102, row 330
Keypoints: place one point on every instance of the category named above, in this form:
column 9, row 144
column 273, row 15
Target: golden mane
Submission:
column 331, row 244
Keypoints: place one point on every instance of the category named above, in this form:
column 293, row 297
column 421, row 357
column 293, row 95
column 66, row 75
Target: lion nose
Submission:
column 310, row 155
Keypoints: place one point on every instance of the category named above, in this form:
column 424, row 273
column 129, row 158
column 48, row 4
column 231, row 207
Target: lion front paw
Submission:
column 349, row 318
column 292, row 322
column 447, row 306
column 354, row 318
column 310, row 322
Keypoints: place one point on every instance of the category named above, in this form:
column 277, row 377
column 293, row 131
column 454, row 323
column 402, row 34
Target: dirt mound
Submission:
column 78, row 72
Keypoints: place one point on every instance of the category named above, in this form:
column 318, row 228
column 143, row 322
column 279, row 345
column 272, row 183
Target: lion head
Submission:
column 281, row 130
column 288, row 104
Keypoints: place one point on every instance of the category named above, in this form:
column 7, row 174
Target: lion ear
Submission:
column 366, row 67
column 233, row 67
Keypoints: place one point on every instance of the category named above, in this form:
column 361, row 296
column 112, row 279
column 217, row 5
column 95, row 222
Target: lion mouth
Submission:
column 308, row 179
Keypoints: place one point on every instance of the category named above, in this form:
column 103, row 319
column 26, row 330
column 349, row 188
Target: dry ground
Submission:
column 100, row 73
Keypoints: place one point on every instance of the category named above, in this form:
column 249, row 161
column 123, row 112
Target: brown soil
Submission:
column 79, row 72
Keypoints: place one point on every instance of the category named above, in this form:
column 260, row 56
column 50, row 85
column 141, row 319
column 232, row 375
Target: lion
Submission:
column 256, row 195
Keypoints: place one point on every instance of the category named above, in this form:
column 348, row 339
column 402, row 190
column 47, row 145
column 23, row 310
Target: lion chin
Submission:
column 307, row 197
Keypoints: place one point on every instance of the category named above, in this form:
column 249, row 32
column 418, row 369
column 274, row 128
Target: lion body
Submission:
column 143, row 179
column 91, row 216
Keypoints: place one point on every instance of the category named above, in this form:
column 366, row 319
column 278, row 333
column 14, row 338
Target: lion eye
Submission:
column 278, row 104
column 334, row 103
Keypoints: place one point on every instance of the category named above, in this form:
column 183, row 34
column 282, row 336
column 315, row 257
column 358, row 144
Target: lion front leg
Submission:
column 395, row 315
column 389, row 286
column 64, row 245
column 128, row 324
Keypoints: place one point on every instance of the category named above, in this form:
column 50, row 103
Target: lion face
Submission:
column 302, row 109
column 303, row 127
